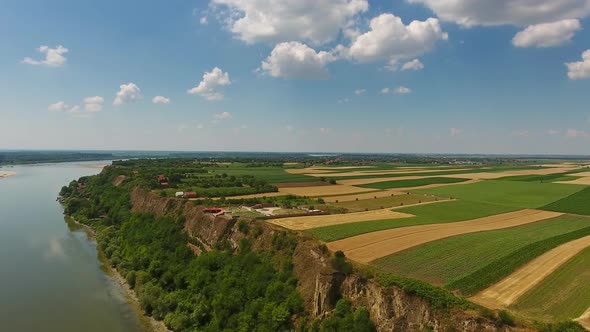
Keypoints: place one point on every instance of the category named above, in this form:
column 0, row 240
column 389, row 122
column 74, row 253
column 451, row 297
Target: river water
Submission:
column 51, row 277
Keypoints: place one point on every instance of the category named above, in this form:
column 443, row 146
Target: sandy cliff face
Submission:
column 320, row 285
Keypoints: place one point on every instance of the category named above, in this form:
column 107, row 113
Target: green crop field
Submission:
column 411, row 183
column 444, row 261
column 383, row 202
column 577, row 203
column 564, row 294
column 516, row 194
column 498, row 269
column 442, row 212
column 540, row 178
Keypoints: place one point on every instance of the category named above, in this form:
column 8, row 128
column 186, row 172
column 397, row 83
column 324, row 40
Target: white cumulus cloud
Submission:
column 547, row 34
column 471, row 13
column 93, row 104
column 209, row 87
column 580, row 69
column 161, row 100
column 54, row 57
column 403, row 90
column 359, row 91
column 390, row 39
column 385, row 91
column 297, row 61
column 61, row 106
column 127, row 93
column 222, row 116
column 413, row 65
column 314, row 21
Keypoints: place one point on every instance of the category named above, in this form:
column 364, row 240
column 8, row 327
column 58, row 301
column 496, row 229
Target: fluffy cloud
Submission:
column 54, row 57
column 359, row 91
column 297, row 61
column 212, row 81
column 413, row 65
column 470, row 13
column 161, row 100
column 93, row 104
column 403, row 90
column 399, row 90
column 455, row 132
column 61, row 106
column 203, row 20
column 581, row 69
column 127, row 93
column 547, row 34
column 315, row 21
column 390, row 39
column 222, row 116
column 574, row 133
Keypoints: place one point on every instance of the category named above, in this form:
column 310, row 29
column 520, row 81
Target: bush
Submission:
column 504, row 318
column 340, row 264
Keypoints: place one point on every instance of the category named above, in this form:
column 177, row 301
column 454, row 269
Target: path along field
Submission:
column 368, row 247
column 307, row 222
column 563, row 295
column 507, row 291
column 444, row 261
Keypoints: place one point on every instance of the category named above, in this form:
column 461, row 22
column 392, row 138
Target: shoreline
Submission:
column 130, row 295
column 6, row 174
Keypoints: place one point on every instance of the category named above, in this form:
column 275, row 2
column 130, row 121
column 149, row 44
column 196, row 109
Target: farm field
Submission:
column 368, row 247
column 384, row 202
column 509, row 289
column 443, row 261
column 507, row 193
column 336, row 189
column 399, row 171
column 307, row 222
column 441, row 212
column 577, row 203
column 412, row 183
column 565, row 294
column 364, row 196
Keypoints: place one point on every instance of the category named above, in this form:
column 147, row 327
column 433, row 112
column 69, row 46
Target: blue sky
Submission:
column 484, row 78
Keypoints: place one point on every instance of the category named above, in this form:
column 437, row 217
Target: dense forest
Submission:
column 218, row 290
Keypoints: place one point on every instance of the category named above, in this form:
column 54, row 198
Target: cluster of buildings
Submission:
column 163, row 180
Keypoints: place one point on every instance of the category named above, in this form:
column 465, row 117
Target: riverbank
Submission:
column 5, row 174
column 97, row 166
column 152, row 324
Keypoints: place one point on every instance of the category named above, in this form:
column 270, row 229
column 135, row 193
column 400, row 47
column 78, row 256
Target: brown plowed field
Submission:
column 508, row 290
column 368, row 247
column 307, row 222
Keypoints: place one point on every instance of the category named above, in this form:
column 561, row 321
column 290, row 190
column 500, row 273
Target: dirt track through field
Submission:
column 584, row 320
column 508, row 290
column 307, row 222
column 365, row 248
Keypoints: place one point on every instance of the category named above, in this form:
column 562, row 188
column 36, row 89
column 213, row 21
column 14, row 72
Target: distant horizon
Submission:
column 319, row 153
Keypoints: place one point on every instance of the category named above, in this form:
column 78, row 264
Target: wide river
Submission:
column 51, row 277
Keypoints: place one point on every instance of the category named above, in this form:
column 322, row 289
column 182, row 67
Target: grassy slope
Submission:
column 577, row 203
column 508, row 193
column 565, row 294
column 442, row 212
column 444, row 261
